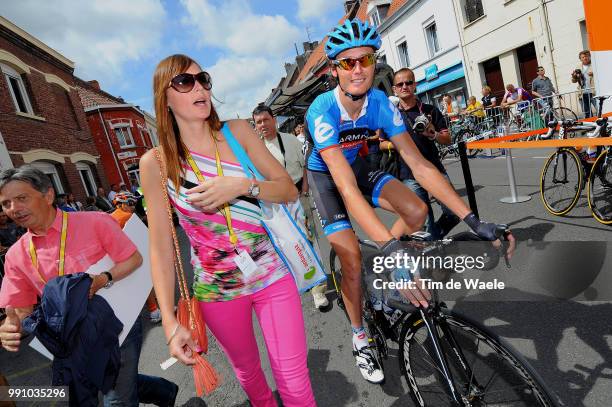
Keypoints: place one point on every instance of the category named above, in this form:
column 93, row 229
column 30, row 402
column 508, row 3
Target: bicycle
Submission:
column 462, row 129
column 440, row 351
column 563, row 176
column 599, row 192
column 545, row 108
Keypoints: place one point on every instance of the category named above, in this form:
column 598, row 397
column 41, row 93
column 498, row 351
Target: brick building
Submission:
column 42, row 121
column 121, row 131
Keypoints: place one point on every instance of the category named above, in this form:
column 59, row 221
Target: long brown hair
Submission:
column 174, row 150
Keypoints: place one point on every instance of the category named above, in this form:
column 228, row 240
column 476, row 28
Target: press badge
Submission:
column 245, row 263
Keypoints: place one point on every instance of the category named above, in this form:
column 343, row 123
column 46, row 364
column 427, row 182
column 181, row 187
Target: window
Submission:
column 17, row 90
column 584, row 35
column 134, row 176
column 378, row 15
column 124, row 136
column 431, row 33
column 402, row 50
column 87, row 178
column 51, row 172
column 473, row 10
column 382, row 59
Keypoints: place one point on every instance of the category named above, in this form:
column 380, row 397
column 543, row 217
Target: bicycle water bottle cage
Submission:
column 552, row 124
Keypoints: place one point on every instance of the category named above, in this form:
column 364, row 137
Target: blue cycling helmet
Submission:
column 351, row 34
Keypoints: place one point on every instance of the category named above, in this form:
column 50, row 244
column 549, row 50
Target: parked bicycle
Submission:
column 446, row 358
column 563, row 175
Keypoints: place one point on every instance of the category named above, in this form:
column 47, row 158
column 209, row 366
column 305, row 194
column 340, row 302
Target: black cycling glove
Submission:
column 484, row 230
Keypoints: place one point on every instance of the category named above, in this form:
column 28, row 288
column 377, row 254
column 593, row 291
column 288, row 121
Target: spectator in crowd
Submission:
column 542, row 86
column 474, row 108
column 9, row 231
column 515, row 96
column 488, row 100
column 26, row 196
column 583, row 76
column 114, row 190
column 61, row 201
column 73, row 203
column 450, row 108
column 404, row 87
column 103, row 202
column 299, row 133
column 90, row 204
column 289, row 152
column 126, row 203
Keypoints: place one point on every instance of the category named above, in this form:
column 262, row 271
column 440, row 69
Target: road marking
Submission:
column 28, row 371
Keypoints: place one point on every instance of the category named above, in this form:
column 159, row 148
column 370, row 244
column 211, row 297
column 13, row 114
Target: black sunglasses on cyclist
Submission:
column 185, row 82
column 348, row 64
column 402, row 84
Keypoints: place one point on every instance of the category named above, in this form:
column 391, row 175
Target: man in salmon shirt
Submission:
column 26, row 196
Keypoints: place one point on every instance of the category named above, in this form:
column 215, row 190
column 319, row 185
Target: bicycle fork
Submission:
column 430, row 323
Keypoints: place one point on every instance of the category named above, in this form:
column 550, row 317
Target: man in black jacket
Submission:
column 425, row 134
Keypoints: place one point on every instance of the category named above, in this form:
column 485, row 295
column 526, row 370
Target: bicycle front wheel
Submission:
column 561, row 181
column 484, row 369
column 599, row 192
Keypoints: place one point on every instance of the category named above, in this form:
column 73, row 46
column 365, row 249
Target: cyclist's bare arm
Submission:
column 355, row 203
column 428, row 176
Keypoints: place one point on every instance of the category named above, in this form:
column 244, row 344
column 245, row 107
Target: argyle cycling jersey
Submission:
column 329, row 125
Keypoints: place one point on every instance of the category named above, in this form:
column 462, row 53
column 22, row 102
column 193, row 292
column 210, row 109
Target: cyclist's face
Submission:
column 358, row 80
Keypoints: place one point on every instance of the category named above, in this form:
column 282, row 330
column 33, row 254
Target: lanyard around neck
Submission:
column 62, row 250
column 224, row 209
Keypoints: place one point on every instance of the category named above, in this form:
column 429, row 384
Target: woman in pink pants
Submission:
column 237, row 270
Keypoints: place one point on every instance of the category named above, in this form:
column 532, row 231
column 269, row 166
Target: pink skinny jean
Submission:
column 279, row 313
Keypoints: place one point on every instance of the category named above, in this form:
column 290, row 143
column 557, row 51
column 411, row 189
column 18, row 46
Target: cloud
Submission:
column 242, row 82
column 234, row 27
column 314, row 9
column 101, row 37
column 252, row 51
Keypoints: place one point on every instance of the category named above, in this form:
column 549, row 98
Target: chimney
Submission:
column 94, row 84
column 288, row 67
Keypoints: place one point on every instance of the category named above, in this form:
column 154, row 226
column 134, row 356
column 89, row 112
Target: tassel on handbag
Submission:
column 189, row 315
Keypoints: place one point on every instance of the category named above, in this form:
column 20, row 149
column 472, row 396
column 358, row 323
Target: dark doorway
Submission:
column 493, row 77
column 528, row 64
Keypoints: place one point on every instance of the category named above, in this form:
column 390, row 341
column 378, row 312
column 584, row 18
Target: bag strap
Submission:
column 178, row 262
column 241, row 155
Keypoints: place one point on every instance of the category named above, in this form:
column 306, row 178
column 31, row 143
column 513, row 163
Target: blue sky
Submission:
column 242, row 43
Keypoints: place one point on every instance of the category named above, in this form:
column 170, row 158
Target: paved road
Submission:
column 569, row 343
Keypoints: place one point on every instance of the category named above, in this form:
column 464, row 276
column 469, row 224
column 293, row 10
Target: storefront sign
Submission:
column 431, row 72
column 126, row 154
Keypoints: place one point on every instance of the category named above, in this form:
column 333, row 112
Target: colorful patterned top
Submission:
column 217, row 277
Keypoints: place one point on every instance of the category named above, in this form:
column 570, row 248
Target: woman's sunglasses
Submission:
column 348, row 64
column 185, row 82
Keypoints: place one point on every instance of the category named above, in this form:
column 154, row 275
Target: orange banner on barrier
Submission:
column 518, row 136
column 573, row 142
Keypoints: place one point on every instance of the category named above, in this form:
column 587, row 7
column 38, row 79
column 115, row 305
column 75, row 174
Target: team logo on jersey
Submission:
column 323, row 131
column 397, row 116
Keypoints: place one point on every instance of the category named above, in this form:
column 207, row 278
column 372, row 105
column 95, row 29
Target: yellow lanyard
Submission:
column 225, row 210
column 62, row 250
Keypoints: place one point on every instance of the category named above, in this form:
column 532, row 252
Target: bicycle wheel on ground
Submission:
column 599, row 192
column 561, row 181
column 485, row 370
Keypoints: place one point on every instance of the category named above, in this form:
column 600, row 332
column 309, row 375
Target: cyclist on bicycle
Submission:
column 338, row 123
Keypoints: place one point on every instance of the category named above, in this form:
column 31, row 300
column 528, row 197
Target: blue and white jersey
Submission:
column 329, row 125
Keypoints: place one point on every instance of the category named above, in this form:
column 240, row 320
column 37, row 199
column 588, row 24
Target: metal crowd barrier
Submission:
column 525, row 116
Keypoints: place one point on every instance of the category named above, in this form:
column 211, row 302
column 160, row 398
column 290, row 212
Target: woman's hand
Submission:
column 214, row 192
column 182, row 346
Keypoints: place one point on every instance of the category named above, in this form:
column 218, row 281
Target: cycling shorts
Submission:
column 328, row 201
